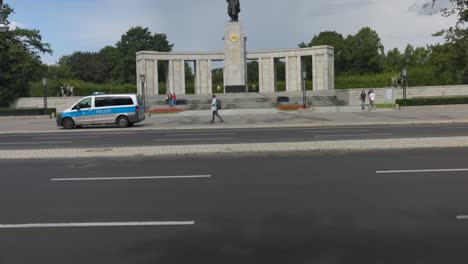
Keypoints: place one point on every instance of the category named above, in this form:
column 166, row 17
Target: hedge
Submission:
column 419, row 101
column 25, row 111
column 80, row 88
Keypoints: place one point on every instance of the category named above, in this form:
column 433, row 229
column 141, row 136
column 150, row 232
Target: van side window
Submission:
column 109, row 101
column 83, row 104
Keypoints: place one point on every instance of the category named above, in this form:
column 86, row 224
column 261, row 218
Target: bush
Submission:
column 417, row 76
column 25, row 111
column 80, row 88
column 434, row 101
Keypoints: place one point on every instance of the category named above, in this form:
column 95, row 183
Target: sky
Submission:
column 198, row 25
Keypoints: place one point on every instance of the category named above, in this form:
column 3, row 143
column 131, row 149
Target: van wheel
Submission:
column 68, row 123
column 122, row 122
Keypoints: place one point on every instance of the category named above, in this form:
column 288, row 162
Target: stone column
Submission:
column 234, row 58
column 149, row 87
column 272, row 75
column 320, row 71
column 156, row 77
column 197, row 77
column 204, row 77
column 138, row 73
column 210, row 78
column 176, row 76
column 182, row 78
column 292, row 73
column 261, row 89
column 288, row 87
column 314, row 73
column 299, row 74
column 331, row 71
column 170, row 77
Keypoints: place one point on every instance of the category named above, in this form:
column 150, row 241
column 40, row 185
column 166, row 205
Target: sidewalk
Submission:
column 262, row 118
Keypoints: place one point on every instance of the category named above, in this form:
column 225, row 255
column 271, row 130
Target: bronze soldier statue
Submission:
column 234, row 10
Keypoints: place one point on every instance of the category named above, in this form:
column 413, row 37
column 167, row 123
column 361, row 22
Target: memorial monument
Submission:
column 235, row 63
column 235, row 57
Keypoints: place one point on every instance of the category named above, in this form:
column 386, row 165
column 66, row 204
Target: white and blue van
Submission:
column 123, row 110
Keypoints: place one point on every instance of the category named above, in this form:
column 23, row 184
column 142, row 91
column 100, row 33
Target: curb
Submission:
column 208, row 127
column 160, row 151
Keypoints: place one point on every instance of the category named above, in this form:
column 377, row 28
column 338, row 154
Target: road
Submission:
column 131, row 138
column 285, row 208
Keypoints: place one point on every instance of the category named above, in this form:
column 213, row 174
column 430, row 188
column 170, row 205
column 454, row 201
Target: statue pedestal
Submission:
column 234, row 58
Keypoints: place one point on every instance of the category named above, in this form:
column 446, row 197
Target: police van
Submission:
column 123, row 110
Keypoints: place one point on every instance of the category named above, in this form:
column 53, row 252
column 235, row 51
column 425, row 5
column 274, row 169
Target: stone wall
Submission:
column 350, row 97
column 61, row 103
column 389, row 95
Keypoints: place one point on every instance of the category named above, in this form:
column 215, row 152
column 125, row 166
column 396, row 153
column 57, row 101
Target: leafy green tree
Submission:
column 88, row 67
column 20, row 62
column 137, row 39
column 330, row 38
column 393, row 60
column 365, row 52
column 457, row 35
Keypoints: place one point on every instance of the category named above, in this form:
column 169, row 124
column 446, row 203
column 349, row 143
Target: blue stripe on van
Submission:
column 100, row 111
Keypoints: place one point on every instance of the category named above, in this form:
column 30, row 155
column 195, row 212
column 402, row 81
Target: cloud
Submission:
column 269, row 24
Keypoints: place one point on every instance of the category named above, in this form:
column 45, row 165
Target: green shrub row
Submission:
column 434, row 101
column 25, row 111
column 80, row 88
column 419, row 76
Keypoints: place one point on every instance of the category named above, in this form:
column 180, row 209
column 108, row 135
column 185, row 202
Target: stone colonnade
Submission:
column 323, row 71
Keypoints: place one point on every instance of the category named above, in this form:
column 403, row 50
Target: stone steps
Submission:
column 245, row 101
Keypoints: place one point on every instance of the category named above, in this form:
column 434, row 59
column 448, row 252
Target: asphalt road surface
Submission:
column 367, row 207
column 84, row 138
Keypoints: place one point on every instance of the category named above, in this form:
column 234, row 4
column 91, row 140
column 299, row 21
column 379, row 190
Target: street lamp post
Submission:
column 404, row 74
column 143, row 92
column 304, row 90
column 44, row 83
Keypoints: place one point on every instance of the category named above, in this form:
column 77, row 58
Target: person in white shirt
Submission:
column 372, row 100
column 215, row 107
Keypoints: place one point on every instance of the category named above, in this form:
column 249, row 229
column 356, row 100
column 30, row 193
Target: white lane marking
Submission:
column 36, row 143
column 355, row 135
column 191, row 139
column 65, row 137
column 420, row 171
column 103, row 224
column 446, row 128
column 462, row 217
column 200, row 134
column 337, row 131
column 132, row 178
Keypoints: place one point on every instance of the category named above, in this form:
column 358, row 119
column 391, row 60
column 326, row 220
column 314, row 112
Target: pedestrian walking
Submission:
column 169, row 99
column 372, row 100
column 363, row 100
column 174, row 99
column 215, row 107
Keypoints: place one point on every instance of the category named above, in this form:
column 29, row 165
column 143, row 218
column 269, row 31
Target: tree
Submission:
column 330, row 38
column 88, row 66
column 137, row 39
column 457, row 35
column 20, row 62
column 393, row 61
column 365, row 53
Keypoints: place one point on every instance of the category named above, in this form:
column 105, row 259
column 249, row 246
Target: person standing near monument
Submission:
column 234, row 10
column 215, row 107
column 363, row 100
